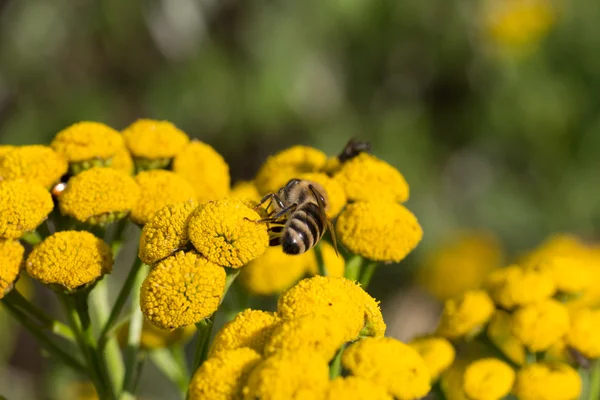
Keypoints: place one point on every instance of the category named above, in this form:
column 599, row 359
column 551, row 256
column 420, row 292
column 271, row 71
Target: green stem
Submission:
column 178, row 351
column 353, row 265
column 335, row 369
column 204, row 333
column 171, row 367
column 32, row 238
column 367, row 274
column 322, row 268
column 231, row 275
column 594, row 393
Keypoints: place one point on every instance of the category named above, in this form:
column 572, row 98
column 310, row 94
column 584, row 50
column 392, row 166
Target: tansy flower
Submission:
column 547, row 381
column 488, row 379
column 182, row 290
column 391, row 364
column 365, row 177
column 122, row 161
column 451, row 380
column 25, row 205
column 204, row 169
column 583, row 334
column 250, row 328
column 245, row 190
column 99, row 195
column 226, row 232
column 374, row 324
column 166, row 232
column 5, row 148
column 288, row 164
column 222, row 376
column 334, row 193
column 541, row 324
column 70, row 260
column 36, row 163
column 571, row 274
column 465, row 314
column 288, row 376
column 514, row 286
column 354, row 388
column 158, row 189
column 378, row 230
column 154, row 337
column 562, row 244
column 334, row 263
column 437, row 353
column 11, row 258
column 499, row 331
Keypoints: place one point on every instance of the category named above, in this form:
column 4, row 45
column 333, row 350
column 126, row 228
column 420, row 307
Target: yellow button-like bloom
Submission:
column 70, row 260
column 158, row 189
column 166, row 232
column 541, row 324
column 222, row 376
column 378, row 230
column 334, row 263
column 99, row 195
column 488, row 379
column 226, row 232
column 5, row 148
column 465, row 314
column 514, row 286
column 391, row 364
column 334, row 193
column 290, row 376
column 583, row 334
column 499, row 331
column 571, row 274
column 154, row 337
column 354, row 388
column 365, row 177
column 438, row 354
column 152, row 140
column 245, row 190
column 36, row 163
column 87, row 141
column 547, row 381
column 182, row 290
column 205, row 169
column 25, row 205
column 558, row 245
column 286, row 165
column 250, row 328
column 11, row 258
column 122, row 161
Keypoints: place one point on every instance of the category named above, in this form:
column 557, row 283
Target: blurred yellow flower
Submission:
column 226, row 232
column 334, row 263
column 223, row 376
column 584, row 333
column 500, row 333
column 571, row 274
column 35, row 163
column 539, row 325
column 391, row 364
column 514, row 286
column 25, row 205
column 547, row 381
column 378, row 230
column 488, row 379
column 122, row 161
column 182, row 290
column 11, row 259
column 334, row 193
column 154, row 337
column 332, row 165
column 354, row 388
column 88, row 141
column 81, row 391
column 70, row 260
column 451, row 380
column 245, row 190
column 154, row 140
column 166, row 232
column 556, row 245
column 438, row 354
column 5, row 148
column 465, row 314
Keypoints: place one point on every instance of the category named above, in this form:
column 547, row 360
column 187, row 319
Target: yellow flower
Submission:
column 378, row 230
column 365, row 177
column 226, row 232
column 286, row 165
column 70, row 260
column 500, row 333
column 122, row 161
column 334, row 193
column 205, row 169
column 514, row 286
column 488, row 379
column 11, row 258
column 583, row 334
column 182, row 290
column 25, row 205
column 154, row 140
column 332, row 165
column 222, row 376
column 354, row 388
column 5, row 148
column 154, row 337
column 334, row 263
column 547, row 381
column 245, row 190
column 571, row 274
column 81, row 391
column 288, row 376
column 465, row 314
column 250, row 328
column 166, row 232
column 158, row 189
column 451, row 381
column 541, row 324
column 99, row 195
column 391, row 364
column 438, row 354
column 36, row 163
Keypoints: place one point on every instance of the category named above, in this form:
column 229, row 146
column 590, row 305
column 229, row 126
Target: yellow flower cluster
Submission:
column 11, row 259
column 25, row 205
column 36, row 163
column 151, row 140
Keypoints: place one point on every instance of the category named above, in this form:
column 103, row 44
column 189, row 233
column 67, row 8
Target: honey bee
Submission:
column 352, row 149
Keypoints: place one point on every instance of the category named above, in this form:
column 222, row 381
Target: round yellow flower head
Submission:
column 514, row 286
column 334, row 193
column 5, row 148
column 564, row 245
column 378, row 230
column 571, row 274
column 583, row 334
column 391, row 364
column 158, row 189
column 286, row 165
column 166, row 232
column 25, row 205
column 539, row 325
column 99, row 195
column 11, row 258
column 465, row 314
column 438, row 354
column 500, row 333
column 150, row 139
column 226, row 232
column 365, row 177
column 488, row 379
column 335, row 264
column 205, row 169
column 122, row 161
column 36, row 163
column 182, row 290
column 70, row 260
column 245, row 190
column 250, row 328
column 354, row 388
column 154, row 337
column 547, row 381
column 287, row 375
column 222, row 376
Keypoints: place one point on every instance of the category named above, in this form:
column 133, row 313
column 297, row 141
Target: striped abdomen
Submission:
column 303, row 229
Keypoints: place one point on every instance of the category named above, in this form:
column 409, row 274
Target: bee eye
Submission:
column 291, row 184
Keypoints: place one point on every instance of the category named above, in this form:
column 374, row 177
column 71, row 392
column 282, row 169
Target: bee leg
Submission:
column 276, row 241
column 287, row 210
column 272, row 197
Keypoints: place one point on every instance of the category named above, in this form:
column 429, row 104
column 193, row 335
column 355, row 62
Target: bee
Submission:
column 352, row 149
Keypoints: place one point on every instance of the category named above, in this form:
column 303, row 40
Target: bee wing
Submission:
column 325, row 217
